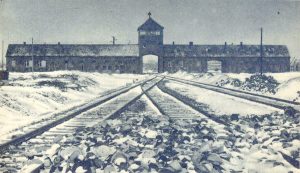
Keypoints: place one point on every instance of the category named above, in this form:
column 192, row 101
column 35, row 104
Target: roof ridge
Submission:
column 223, row 45
column 53, row 44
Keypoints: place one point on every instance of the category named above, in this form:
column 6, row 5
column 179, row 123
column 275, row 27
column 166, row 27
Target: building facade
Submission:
column 52, row 57
column 128, row 58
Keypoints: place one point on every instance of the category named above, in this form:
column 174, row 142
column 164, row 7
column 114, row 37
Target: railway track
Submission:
column 177, row 110
column 266, row 100
column 173, row 99
column 41, row 138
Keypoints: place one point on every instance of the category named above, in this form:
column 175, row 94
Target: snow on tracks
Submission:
column 271, row 101
column 107, row 107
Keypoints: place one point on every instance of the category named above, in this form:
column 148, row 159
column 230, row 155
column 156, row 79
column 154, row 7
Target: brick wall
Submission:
column 229, row 64
column 99, row 64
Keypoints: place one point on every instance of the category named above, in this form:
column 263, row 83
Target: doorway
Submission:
column 150, row 64
column 214, row 66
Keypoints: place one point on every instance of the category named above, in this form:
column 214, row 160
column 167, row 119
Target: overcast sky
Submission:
column 201, row 21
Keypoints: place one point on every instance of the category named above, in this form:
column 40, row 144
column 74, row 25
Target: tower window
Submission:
column 142, row 32
column 154, row 33
column 149, row 32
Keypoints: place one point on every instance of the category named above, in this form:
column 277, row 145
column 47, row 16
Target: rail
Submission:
column 267, row 100
column 70, row 115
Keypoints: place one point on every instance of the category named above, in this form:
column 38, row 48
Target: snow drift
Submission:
column 29, row 97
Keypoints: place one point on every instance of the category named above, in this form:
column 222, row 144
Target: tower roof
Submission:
column 150, row 25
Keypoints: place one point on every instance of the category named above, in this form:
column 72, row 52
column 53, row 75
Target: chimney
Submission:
column 225, row 46
column 241, row 44
column 191, row 43
column 58, row 43
column 173, row 43
column 24, row 43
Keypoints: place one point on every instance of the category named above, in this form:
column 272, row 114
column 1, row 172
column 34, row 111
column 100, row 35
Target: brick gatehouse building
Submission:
column 128, row 58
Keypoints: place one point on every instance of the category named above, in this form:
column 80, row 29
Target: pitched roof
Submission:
column 97, row 50
column 150, row 25
column 82, row 50
column 225, row 51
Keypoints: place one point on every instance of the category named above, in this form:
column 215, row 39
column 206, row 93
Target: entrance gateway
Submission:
column 150, row 64
column 150, row 42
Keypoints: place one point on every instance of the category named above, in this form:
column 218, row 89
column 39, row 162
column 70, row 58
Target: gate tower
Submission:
column 151, row 40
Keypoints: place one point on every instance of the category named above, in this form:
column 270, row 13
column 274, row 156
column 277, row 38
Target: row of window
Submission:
column 28, row 63
column 149, row 32
column 121, row 67
column 109, row 61
column 180, row 64
column 43, row 64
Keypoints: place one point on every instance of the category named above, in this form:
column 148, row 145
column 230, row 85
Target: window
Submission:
column 149, row 32
column 28, row 63
column 181, row 63
column 43, row 63
column 52, row 66
column 154, row 33
column 122, row 67
column 142, row 32
column 104, row 67
column 13, row 63
column 169, row 64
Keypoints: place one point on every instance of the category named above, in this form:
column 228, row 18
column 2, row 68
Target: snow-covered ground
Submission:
column 289, row 83
column 264, row 132
column 142, row 140
column 221, row 104
column 29, row 97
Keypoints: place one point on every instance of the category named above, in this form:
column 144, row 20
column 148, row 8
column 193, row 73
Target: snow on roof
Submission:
column 225, row 51
column 97, row 50
column 83, row 50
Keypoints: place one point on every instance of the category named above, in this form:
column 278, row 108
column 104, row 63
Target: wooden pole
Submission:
column 2, row 55
column 32, row 54
column 114, row 40
column 261, row 51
